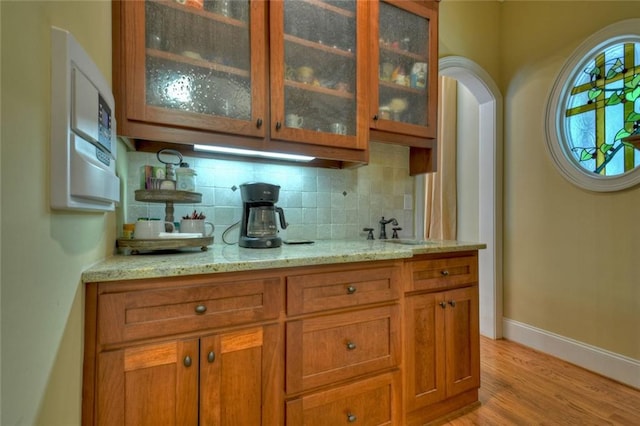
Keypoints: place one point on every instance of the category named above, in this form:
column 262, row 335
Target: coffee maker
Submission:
column 258, row 228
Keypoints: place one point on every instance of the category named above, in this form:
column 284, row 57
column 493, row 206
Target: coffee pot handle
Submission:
column 283, row 222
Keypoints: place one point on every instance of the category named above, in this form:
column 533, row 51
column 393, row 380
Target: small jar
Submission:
column 185, row 178
column 127, row 230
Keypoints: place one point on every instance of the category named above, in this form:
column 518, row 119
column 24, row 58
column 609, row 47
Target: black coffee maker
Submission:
column 258, row 228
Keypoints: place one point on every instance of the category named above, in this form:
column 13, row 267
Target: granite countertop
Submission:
column 231, row 258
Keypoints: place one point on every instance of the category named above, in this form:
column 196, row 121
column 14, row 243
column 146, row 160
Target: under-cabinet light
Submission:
column 252, row 153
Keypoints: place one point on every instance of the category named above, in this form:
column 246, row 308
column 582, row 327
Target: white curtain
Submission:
column 440, row 187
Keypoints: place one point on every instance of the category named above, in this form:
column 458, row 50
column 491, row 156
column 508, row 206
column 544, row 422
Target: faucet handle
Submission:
column 395, row 232
column 370, row 233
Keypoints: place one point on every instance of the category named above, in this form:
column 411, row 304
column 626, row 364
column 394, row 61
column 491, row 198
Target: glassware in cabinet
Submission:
column 404, row 50
column 317, row 73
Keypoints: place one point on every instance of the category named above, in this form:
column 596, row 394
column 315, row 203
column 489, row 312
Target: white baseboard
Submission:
column 609, row 364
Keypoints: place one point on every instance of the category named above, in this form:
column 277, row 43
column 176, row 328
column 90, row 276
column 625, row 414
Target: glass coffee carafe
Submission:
column 262, row 222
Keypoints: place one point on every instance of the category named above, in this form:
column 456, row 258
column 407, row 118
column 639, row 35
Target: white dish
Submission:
column 179, row 235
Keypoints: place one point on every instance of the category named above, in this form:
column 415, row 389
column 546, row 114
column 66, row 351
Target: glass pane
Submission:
column 404, row 44
column 320, row 66
column 601, row 111
column 198, row 57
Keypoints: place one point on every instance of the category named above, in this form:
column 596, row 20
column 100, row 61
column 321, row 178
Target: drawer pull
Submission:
column 442, row 305
column 200, row 309
column 445, row 273
column 351, row 418
column 211, row 356
column 452, row 303
column 351, row 289
column 351, row 346
column 187, row 361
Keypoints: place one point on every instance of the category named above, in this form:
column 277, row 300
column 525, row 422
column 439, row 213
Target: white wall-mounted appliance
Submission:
column 83, row 130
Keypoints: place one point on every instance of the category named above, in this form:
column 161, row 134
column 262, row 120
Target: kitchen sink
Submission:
column 409, row 242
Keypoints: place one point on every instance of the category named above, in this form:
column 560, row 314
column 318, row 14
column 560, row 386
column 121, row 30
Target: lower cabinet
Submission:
column 441, row 351
column 370, row 343
column 371, row 401
column 213, row 380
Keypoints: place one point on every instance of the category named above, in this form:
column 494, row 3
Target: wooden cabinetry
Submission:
column 303, row 77
column 199, row 350
column 376, row 343
column 441, row 348
column 234, row 75
column 342, row 364
column 404, row 82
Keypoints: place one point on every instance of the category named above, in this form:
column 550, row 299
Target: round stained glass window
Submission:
column 593, row 114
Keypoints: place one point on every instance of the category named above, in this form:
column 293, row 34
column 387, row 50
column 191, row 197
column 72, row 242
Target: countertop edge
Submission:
column 221, row 259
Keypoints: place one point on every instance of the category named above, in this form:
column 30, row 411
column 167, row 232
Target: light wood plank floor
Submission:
column 520, row 386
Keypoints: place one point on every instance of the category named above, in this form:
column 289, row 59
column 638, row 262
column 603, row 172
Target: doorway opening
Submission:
column 487, row 189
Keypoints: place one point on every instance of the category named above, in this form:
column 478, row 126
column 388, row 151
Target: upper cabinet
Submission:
column 190, row 65
column 404, row 60
column 318, row 72
column 315, row 77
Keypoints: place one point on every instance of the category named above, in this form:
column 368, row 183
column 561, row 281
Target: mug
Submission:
column 196, row 226
column 294, row 120
column 151, row 229
column 339, row 128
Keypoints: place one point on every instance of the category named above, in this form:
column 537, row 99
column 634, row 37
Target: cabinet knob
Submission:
column 442, row 305
column 259, row 123
column 445, row 273
column 452, row 303
column 351, row 289
column 187, row 361
column 211, row 356
column 278, row 125
column 351, row 346
column 351, row 418
column 375, row 117
column 200, row 309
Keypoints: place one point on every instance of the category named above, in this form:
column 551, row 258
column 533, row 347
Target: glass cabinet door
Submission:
column 317, row 84
column 203, row 65
column 405, row 54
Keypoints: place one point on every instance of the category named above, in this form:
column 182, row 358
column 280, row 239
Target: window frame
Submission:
column 556, row 139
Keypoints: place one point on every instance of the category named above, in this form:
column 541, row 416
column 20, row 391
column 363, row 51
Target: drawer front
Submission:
column 155, row 312
column 339, row 289
column 373, row 401
column 443, row 272
column 327, row 349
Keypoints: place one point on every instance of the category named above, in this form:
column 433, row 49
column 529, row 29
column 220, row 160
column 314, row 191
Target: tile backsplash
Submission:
column 318, row 203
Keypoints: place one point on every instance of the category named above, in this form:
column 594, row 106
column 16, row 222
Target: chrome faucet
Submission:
column 383, row 224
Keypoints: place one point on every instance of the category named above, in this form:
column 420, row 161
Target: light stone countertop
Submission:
column 231, row 258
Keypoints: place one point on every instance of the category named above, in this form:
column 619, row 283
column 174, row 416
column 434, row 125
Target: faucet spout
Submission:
column 383, row 224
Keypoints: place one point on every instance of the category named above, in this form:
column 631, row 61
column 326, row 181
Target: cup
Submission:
column 294, row 120
column 151, row 229
column 338, row 128
column 196, row 226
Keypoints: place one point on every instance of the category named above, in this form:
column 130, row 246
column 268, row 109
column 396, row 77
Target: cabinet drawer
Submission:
column 330, row 348
column 373, row 401
column 339, row 289
column 435, row 273
column 162, row 310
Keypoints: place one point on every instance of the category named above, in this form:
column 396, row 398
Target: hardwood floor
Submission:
column 521, row 386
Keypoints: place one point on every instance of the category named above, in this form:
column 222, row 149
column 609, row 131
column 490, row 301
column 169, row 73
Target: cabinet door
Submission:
column 404, row 64
column 237, row 383
column 463, row 340
column 318, row 80
column 155, row 384
column 194, row 64
column 424, row 350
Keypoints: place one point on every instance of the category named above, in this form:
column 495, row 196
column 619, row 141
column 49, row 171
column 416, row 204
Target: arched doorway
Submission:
column 486, row 93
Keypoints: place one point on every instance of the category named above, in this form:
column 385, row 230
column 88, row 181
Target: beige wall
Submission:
column 569, row 254
column 43, row 252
